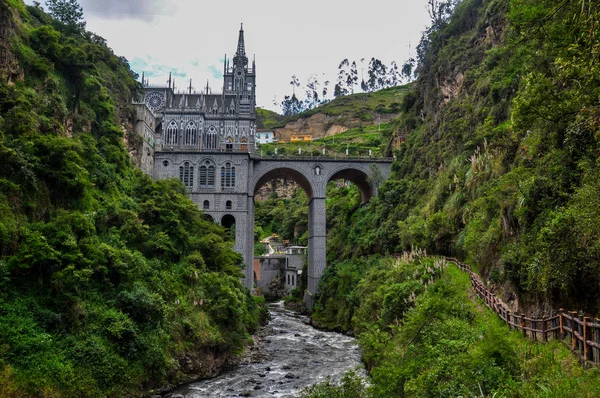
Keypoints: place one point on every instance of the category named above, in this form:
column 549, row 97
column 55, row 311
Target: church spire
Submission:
column 241, row 48
column 240, row 58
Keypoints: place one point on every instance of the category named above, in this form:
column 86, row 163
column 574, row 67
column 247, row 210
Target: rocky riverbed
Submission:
column 287, row 356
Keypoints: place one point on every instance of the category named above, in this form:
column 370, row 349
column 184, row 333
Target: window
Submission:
column 165, row 163
column 190, row 134
column 171, row 138
column 210, row 139
column 186, row 174
column 244, row 145
column 228, row 205
column 227, row 176
column 266, row 136
column 207, row 175
column 229, row 145
column 258, row 136
column 206, row 205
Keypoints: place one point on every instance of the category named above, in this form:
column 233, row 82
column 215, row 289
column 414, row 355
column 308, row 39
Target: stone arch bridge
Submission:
column 223, row 185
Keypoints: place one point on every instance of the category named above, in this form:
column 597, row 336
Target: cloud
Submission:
column 216, row 72
column 144, row 10
column 152, row 67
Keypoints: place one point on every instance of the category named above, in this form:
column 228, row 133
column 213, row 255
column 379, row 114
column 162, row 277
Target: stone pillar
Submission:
column 249, row 250
column 317, row 239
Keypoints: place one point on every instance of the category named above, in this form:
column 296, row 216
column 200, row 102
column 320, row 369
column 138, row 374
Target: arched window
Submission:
column 229, row 145
column 186, row 174
column 228, row 205
column 227, row 176
column 191, row 134
column 172, row 136
column 207, row 175
column 244, row 145
column 210, row 139
column 206, row 205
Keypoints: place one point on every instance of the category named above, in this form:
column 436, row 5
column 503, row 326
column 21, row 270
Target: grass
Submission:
column 358, row 141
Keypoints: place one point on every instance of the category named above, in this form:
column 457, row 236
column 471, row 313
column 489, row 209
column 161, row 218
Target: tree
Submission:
column 353, row 77
column 377, row 75
column 69, row 12
column 294, row 83
column 312, row 92
column 407, row 69
column 393, row 75
column 325, row 88
column 291, row 105
column 341, row 88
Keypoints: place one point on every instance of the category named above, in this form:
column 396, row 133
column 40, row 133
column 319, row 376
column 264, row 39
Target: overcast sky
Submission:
column 191, row 37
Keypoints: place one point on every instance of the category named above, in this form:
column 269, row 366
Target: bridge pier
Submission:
column 317, row 245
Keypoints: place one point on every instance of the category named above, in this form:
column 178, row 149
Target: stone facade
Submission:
column 207, row 140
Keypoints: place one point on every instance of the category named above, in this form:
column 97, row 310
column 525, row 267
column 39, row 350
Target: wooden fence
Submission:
column 580, row 333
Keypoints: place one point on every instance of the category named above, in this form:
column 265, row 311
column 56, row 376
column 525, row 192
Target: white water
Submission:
column 297, row 355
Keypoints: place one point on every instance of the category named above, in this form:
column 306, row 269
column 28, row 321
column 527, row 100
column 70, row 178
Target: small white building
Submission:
column 295, row 257
column 265, row 136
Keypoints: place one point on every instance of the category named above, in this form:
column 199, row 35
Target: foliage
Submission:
column 107, row 278
column 501, row 145
column 444, row 344
column 69, row 12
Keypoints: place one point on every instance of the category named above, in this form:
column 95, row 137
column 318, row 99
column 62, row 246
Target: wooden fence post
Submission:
column 560, row 322
column 534, row 329
column 586, row 335
column 545, row 329
column 523, row 325
column 508, row 320
column 573, row 324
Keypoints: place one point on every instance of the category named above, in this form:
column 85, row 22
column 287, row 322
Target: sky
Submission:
column 190, row 37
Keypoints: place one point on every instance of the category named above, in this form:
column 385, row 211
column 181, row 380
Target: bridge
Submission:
column 223, row 185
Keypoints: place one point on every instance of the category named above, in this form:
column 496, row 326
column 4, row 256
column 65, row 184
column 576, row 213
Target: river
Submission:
column 293, row 355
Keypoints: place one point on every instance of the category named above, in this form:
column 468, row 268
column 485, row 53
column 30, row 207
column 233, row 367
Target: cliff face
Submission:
column 9, row 66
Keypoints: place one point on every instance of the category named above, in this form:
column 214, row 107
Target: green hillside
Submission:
column 111, row 284
column 361, row 105
column 500, row 163
column 266, row 119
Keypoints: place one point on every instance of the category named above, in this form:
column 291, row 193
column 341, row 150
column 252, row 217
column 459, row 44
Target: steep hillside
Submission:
column 500, row 163
column 344, row 113
column 111, row 284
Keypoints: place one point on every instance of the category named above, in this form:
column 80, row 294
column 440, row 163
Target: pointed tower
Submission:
column 240, row 59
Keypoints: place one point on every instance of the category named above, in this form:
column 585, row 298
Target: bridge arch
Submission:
column 278, row 171
column 358, row 176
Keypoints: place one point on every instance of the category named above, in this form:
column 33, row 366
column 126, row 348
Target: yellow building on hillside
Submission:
column 299, row 138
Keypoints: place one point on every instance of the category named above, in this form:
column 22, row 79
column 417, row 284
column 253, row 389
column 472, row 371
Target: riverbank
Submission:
column 286, row 356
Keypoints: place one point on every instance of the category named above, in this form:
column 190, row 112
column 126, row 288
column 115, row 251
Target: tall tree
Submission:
column 353, row 75
column 393, row 75
column 377, row 75
column 341, row 88
column 294, row 83
column 325, row 88
column 68, row 12
column 407, row 69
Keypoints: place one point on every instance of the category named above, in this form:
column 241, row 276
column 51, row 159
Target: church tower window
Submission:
column 186, row 174
column 229, row 145
column 191, row 134
column 227, row 176
column 211, row 138
column 172, row 138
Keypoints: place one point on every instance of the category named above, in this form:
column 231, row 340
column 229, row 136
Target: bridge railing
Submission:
column 364, row 159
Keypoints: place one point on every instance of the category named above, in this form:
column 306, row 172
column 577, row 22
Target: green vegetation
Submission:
column 422, row 339
column 358, row 141
column 107, row 278
column 266, row 119
column 500, row 163
column 500, row 167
